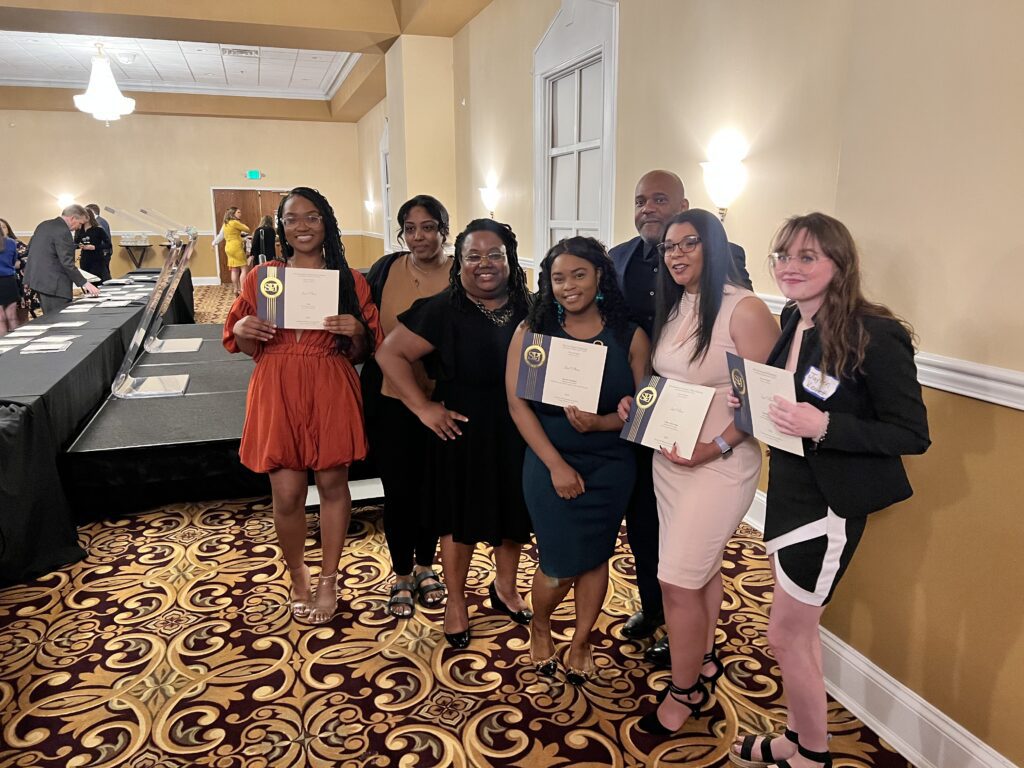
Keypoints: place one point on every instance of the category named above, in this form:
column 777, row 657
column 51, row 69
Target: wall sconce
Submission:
column 724, row 172
column 64, row 200
column 490, row 195
column 370, row 206
column 103, row 99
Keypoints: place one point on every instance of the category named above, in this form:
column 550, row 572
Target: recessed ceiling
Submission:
column 64, row 61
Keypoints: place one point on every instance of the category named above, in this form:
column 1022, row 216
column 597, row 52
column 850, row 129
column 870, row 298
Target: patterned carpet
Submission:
column 171, row 645
column 212, row 302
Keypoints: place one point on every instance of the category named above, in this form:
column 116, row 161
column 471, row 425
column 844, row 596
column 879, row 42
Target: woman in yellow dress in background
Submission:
column 235, row 248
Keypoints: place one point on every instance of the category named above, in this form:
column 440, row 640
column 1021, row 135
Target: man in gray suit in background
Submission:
column 51, row 269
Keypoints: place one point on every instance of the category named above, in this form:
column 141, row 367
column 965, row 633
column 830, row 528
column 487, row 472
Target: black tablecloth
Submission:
column 182, row 309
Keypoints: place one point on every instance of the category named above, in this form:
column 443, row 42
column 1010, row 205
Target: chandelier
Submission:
column 102, row 99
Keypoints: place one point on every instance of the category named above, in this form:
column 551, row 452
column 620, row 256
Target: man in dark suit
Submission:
column 659, row 196
column 51, row 269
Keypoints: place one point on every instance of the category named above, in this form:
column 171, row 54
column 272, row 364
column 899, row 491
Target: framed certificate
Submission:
column 561, row 371
column 667, row 412
column 755, row 384
column 296, row 298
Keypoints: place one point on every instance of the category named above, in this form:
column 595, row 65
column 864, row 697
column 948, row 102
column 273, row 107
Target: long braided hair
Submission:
column 518, row 293
column 612, row 306
column 334, row 258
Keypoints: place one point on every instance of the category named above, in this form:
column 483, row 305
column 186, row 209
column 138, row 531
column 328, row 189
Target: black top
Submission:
column 95, row 236
column 263, row 241
column 875, row 417
column 638, row 285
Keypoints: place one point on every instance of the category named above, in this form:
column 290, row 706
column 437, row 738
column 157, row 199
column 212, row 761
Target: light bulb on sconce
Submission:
column 490, row 195
column 724, row 172
column 65, row 200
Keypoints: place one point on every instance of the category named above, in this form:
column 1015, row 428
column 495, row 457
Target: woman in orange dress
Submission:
column 304, row 407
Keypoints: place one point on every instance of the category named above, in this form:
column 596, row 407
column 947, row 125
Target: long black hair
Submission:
column 717, row 270
column 612, row 305
column 334, row 258
column 518, row 293
column 432, row 206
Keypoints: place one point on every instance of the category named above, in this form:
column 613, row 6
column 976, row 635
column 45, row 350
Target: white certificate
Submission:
column 561, row 371
column 755, row 384
column 667, row 412
column 296, row 298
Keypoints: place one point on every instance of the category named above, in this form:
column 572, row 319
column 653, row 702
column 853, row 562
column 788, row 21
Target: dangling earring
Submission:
column 599, row 298
column 561, row 314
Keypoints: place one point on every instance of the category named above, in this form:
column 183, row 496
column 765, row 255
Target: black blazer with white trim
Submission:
column 876, row 416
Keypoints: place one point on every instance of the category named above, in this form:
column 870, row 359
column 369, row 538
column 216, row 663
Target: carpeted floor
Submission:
column 212, row 302
column 171, row 645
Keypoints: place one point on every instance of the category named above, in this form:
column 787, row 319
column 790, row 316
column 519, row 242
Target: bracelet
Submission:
column 824, row 430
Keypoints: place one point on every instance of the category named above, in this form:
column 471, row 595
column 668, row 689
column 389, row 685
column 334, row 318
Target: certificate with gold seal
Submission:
column 292, row 297
column 667, row 412
column 560, row 371
column 755, row 384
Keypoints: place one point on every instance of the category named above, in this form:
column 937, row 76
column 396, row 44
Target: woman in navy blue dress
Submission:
column 577, row 474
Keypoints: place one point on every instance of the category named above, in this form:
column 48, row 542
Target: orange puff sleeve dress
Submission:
column 304, row 409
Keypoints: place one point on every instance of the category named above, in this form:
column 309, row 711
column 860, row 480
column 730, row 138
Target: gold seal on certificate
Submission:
column 755, row 384
column 561, row 372
column 291, row 297
column 666, row 412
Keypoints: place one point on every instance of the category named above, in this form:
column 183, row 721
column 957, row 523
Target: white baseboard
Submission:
column 361, row 490
column 205, row 281
column 917, row 730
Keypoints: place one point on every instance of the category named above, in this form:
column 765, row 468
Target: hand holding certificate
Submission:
column 561, row 371
column 296, row 298
column 755, row 384
column 666, row 413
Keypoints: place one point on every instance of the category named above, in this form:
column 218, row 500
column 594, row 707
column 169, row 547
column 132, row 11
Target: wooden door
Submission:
column 253, row 205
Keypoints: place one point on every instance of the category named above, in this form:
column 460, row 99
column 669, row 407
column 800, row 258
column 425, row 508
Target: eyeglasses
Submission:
column 686, row 245
column 802, row 261
column 475, row 259
column 313, row 219
column 427, row 228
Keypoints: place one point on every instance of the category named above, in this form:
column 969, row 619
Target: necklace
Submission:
column 499, row 316
column 414, row 267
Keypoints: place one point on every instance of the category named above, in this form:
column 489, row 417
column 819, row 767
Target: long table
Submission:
column 45, row 399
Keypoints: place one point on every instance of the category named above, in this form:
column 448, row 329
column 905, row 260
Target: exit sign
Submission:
column 255, row 174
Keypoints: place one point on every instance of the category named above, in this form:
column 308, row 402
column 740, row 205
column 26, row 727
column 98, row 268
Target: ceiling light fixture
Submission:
column 103, row 99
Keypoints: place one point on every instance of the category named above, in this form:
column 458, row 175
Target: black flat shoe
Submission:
column 458, row 640
column 650, row 723
column 640, row 626
column 519, row 617
column 658, row 654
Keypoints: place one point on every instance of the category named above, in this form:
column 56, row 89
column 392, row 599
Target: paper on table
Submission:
column 69, row 324
column 116, row 304
column 755, row 384
column 667, row 412
column 76, row 309
column 39, row 348
column 8, row 342
column 57, row 339
column 561, row 371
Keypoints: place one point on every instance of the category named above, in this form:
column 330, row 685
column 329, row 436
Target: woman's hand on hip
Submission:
column 440, row 420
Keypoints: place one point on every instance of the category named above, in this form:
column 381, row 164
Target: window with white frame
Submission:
column 390, row 243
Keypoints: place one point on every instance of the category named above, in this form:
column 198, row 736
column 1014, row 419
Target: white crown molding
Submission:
column 924, row 735
column 1001, row 386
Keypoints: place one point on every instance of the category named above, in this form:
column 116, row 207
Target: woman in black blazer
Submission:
column 858, row 410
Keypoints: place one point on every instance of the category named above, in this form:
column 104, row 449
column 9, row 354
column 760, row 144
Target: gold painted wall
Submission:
column 169, row 164
column 494, row 128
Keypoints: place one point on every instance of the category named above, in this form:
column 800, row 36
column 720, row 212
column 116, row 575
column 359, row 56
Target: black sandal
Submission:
column 823, row 758
column 650, row 723
column 398, row 599
column 430, row 589
column 745, row 758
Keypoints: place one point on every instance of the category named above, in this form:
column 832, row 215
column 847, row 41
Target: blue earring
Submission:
column 600, row 297
column 561, row 314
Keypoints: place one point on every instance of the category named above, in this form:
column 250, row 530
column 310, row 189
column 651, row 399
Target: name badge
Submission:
column 819, row 385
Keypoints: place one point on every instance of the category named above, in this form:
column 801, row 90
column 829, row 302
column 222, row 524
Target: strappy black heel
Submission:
column 650, row 723
column 711, row 657
column 745, row 758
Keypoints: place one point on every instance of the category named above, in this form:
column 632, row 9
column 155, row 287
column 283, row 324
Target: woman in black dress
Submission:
column 858, row 410
column 462, row 335
column 96, row 248
column 264, row 242
column 577, row 473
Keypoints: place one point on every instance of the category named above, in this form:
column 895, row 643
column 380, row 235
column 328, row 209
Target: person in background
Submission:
column 264, row 242
column 51, row 270
column 700, row 315
column 95, row 208
column 28, row 300
column 234, row 247
column 859, row 410
column 304, row 410
column 96, row 248
column 9, row 293
column 400, row 445
column 475, row 486
column 577, row 473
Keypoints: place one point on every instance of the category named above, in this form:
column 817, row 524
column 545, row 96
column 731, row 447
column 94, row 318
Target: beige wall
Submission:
column 169, row 164
column 369, row 130
column 494, row 127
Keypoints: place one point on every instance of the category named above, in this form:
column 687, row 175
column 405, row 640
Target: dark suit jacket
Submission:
column 623, row 253
column 51, row 260
column 875, row 417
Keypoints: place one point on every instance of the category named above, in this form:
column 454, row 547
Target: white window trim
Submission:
column 385, row 193
column 581, row 31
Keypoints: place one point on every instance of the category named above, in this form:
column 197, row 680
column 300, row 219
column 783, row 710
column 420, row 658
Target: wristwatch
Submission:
column 723, row 446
